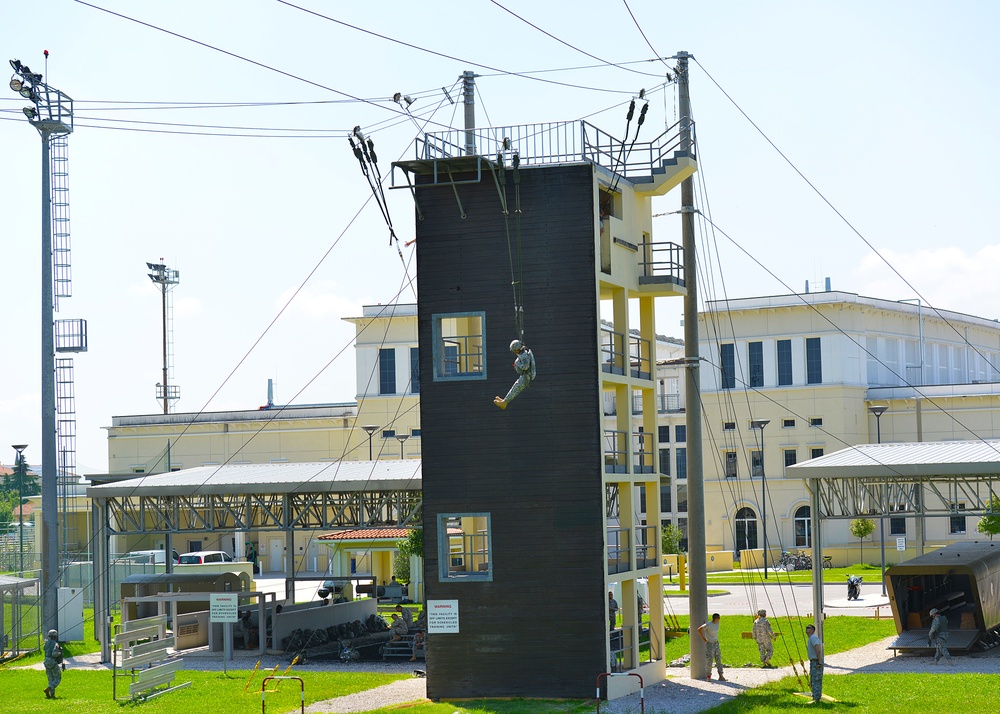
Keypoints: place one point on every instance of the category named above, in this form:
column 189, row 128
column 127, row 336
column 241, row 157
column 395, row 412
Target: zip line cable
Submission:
column 571, row 46
column 441, row 54
column 837, row 212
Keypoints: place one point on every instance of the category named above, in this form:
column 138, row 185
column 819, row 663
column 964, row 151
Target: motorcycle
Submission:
column 853, row 587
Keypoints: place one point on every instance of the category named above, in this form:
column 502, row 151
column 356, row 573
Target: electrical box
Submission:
column 70, row 617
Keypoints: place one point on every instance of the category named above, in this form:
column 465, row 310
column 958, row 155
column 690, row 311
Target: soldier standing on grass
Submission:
column 765, row 637
column 710, row 633
column 814, row 649
column 53, row 663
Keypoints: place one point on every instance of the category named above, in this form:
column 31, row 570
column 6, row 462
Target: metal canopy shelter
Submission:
column 241, row 497
column 879, row 480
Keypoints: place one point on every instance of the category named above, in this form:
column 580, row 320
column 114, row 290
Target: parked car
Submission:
column 205, row 556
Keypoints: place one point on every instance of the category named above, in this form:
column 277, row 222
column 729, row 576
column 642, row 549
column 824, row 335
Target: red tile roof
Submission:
column 26, row 510
column 368, row 534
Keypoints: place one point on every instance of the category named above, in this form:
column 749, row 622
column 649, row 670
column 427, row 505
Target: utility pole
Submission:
column 469, row 91
column 697, row 567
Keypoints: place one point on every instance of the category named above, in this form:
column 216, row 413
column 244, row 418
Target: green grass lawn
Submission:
column 91, row 691
column 871, row 573
column 840, row 634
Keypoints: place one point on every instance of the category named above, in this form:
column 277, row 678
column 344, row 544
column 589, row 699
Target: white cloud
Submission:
column 949, row 278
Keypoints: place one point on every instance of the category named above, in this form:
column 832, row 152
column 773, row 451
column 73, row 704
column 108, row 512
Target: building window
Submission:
column 756, row 464
column 680, row 433
column 746, row 529
column 728, row 354
column 414, row 432
column 791, row 457
column 665, row 503
column 682, row 462
column 663, row 432
column 464, row 547
column 815, row 452
column 414, row 370
column 784, row 363
column 459, row 346
column 756, row 355
column 729, row 426
column 388, row 433
column 816, row 421
column 387, row 371
column 730, row 459
column 803, row 528
column 957, row 522
column 897, row 526
column 814, row 361
column 787, row 423
column 682, row 499
column 665, row 462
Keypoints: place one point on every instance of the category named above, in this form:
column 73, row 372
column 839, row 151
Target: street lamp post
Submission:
column 371, row 429
column 760, row 424
column 878, row 411
column 401, row 438
column 19, row 448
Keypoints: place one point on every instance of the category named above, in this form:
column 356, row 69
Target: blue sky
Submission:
column 889, row 109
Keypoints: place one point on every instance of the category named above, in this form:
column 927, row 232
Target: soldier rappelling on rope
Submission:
column 524, row 365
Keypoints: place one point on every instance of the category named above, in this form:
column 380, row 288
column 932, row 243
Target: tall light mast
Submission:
column 166, row 279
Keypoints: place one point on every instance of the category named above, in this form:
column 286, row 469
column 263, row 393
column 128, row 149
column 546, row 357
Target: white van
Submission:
column 205, row 556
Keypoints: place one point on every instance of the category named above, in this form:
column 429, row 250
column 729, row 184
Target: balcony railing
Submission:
column 639, row 358
column 619, row 550
column 615, row 451
column 642, row 455
column 612, row 351
column 668, row 402
column 645, row 547
column 622, row 649
column 664, row 262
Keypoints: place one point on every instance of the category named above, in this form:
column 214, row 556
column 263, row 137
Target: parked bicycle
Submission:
column 793, row 561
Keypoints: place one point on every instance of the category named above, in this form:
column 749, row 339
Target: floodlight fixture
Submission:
column 15, row 65
column 29, row 112
column 25, row 92
column 16, row 84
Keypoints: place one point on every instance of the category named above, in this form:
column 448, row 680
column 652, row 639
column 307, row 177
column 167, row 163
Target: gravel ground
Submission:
column 678, row 694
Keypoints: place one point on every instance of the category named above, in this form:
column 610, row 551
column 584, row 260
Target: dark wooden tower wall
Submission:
column 539, row 628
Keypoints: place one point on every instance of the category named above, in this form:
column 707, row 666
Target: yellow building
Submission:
column 792, row 377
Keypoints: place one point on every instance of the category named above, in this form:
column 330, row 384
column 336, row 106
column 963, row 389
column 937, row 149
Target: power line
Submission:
column 603, row 62
column 445, row 56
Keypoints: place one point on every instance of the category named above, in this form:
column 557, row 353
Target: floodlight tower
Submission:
column 51, row 113
column 166, row 279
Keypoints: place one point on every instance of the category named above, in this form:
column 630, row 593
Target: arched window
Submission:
column 746, row 529
column 803, row 527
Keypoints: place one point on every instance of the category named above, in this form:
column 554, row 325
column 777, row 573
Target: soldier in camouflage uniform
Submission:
column 938, row 636
column 524, row 365
column 764, row 636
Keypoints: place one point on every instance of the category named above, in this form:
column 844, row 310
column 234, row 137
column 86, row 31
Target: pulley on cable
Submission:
column 622, row 153
column 364, row 151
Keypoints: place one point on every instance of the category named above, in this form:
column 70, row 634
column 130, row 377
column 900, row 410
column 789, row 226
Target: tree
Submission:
column 14, row 484
column 990, row 525
column 412, row 545
column 861, row 528
column 670, row 538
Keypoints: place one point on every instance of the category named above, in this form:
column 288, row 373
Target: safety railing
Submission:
column 612, row 351
column 668, row 402
column 561, row 142
column 642, row 453
column 663, row 261
column 640, row 363
column 615, row 451
column 645, row 547
column 622, row 642
column 619, row 550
